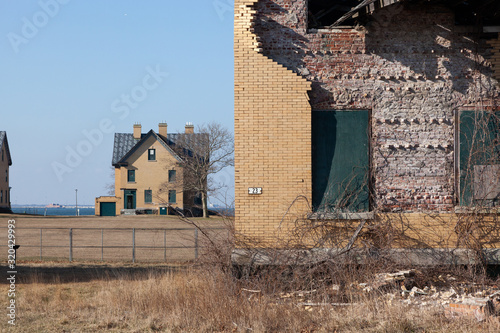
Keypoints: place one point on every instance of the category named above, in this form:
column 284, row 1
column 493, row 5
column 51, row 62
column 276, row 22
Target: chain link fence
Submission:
column 113, row 244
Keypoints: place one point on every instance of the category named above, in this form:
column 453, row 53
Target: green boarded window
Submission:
column 148, row 196
column 172, row 174
column 131, row 176
column 172, row 196
column 479, row 158
column 340, row 152
column 151, row 155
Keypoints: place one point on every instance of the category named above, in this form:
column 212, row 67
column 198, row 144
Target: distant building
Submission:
column 5, row 163
column 149, row 177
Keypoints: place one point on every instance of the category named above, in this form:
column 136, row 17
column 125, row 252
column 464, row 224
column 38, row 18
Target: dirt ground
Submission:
column 130, row 221
column 143, row 238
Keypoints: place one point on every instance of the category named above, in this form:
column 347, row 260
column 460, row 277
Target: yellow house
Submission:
column 149, row 177
column 5, row 162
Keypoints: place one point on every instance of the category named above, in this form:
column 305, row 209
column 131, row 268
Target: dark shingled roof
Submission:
column 3, row 138
column 125, row 142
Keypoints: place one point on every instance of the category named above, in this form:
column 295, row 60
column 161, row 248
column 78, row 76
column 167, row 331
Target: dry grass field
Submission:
column 155, row 238
column 204, row 295
column 64, row 297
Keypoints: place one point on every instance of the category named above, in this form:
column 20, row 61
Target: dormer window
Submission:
column 152, row 154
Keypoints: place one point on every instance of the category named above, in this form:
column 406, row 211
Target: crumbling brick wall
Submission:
column 410, row 68
column 495, row 56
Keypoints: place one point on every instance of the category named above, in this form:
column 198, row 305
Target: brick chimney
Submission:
column 137, row 131
column 189, row 129
column 162, row 128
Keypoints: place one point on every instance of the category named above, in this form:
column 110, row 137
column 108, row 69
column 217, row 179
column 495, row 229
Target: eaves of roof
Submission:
column 122, row 160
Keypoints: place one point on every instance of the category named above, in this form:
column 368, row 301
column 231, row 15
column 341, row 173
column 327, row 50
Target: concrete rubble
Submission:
column 447, row 293
column 456, row 298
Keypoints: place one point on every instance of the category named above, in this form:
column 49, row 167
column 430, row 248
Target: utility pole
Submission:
column 76, row 206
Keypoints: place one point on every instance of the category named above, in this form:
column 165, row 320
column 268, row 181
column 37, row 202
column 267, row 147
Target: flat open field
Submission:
column 121, row 238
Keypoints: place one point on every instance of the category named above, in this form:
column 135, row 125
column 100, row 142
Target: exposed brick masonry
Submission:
column 410, row 68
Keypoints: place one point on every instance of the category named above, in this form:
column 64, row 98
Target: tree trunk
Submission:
column 204, row 205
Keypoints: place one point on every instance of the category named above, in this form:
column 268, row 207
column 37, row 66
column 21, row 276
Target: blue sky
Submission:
column 73, row 72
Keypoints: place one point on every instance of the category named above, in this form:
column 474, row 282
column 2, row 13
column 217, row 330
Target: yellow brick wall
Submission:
column 272, row 134
column 405, row 230
column 419, row 230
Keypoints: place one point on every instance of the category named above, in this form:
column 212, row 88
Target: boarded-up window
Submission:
column 172, row 196
column 148, row 196
column 340, row 161
column 172, row 176
column 479, row 158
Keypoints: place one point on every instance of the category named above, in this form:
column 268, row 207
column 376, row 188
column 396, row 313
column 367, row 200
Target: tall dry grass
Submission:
column 208, row 300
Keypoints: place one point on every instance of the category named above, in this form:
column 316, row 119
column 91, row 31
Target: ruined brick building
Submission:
column 351, row 109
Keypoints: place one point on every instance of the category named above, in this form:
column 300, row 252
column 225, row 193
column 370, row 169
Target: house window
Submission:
column 172, row 196
column 171, row 176
column 1, row 196
column 151, row 154
column 340, row 168
column 479, row 158
column 148, row 196
column 131, row 176
column 7, row 176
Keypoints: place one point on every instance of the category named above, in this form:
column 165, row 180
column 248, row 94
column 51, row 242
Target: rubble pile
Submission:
column 446, row 292
column 443, row 293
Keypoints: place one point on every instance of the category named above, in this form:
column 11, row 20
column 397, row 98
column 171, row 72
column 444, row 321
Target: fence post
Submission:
column 41, row 244
column 102, row 244
column 165, row 244
column 196, row 243
column 133, row 245
column 70, row 244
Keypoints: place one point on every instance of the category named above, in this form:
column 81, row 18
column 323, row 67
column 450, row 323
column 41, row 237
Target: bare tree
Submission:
column 204, row 153
column 110, row 187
